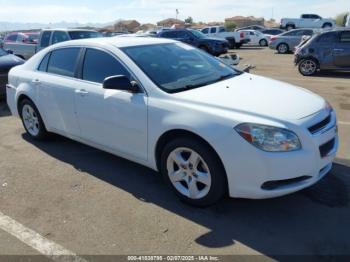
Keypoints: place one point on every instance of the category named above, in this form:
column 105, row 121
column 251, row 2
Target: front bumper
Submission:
column 256, row 174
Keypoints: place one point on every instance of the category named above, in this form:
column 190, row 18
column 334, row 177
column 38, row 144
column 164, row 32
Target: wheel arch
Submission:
column 176, row 133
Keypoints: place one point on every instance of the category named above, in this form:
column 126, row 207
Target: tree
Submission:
column 230, row 26
column 340, row 19
column 189, row 20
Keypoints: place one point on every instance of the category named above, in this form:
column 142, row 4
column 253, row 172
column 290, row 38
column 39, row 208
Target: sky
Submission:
column 102, row 11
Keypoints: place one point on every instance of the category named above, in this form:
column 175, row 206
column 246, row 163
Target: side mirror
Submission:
column 121, row 82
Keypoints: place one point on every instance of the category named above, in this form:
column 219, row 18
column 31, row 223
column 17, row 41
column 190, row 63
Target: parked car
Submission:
column 272, row 31
column 236, row 39
column 287, row 41
column 207, row 127
column 256, row 38
column 214, row 46
column 252, row 27
column 7, row 61
column 325, row 51
column 48, row 37
column 307, row 21
column 21, row 44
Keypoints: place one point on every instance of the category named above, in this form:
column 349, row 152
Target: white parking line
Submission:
column 344, row 123
column 39, row 243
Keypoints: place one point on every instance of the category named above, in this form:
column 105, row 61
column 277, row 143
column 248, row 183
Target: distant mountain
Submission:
column 11, row 26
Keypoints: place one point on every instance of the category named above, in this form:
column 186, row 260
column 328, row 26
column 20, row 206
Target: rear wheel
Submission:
column 290, row 27
column 283, row 48
column 32, row 120
column 238, row 46
column 327, row 26
column 263, row 42
column 308, row 67
column 193, row 171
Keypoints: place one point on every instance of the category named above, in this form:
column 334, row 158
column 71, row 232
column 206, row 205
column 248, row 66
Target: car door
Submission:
column 114, row 119
column 56, row 84
column 341, row 51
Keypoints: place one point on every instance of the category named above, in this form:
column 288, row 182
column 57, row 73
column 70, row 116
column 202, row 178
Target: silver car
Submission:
column 286, row 42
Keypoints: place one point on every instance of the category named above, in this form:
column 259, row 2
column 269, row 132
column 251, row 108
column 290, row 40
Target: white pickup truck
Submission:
column 25, row 50
column 236, row 39
column 307, row 21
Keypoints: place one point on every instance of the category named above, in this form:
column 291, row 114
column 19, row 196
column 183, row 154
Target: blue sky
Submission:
column 154, row 10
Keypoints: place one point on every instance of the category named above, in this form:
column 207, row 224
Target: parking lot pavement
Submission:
column 93, row 203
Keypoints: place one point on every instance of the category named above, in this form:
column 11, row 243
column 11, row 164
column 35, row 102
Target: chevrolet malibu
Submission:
column 209, row 129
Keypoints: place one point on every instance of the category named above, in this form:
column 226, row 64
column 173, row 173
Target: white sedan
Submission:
column 257, row 38
column 208, row 128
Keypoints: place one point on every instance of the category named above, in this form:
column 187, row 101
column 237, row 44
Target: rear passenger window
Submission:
column 45, row 39
column 99, row 65
column 63, row 61
column 44, row 63
column 345, row 37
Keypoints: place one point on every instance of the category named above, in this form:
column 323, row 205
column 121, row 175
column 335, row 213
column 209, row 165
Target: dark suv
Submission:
column 195, row 38
column 326, row 51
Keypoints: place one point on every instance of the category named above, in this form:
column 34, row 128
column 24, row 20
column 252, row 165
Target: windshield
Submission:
column 3, row 52
column 84, row 34
column 198, row 34
column 178, row 67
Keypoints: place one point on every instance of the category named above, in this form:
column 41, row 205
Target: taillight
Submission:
column 242, row 34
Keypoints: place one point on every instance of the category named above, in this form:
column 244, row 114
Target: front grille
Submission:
column 325, row 149
column 319, row 126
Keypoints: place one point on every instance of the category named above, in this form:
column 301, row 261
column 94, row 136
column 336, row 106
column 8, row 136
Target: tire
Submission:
column 32, row 121
column 238, row 46
column 283, row 48
column 290, row 27
column 232, row 43
column 185, row 180
column 263, row 42
column 204, row 48
column 327, row 26
column 308, row 67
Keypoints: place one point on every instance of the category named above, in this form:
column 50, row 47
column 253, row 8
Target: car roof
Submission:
column 116, row 41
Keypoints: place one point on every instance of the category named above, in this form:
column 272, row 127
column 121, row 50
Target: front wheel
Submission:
column 32, row 120
column 193, row 171
column 308, row 67
column 263, row 42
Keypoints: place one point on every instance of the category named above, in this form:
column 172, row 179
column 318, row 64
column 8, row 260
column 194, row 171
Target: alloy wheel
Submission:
column 189, row 173
column 308, row 67
column 30, row 120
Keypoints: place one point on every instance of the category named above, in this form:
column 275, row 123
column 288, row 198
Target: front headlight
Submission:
column 269, row 138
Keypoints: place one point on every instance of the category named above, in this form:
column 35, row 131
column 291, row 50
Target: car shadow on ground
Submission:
column 314, row 222
column 333, row 74
column 4, row 110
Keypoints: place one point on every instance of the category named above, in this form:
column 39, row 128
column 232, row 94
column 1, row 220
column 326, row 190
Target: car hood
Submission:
column 257, row 95
column 9, row 61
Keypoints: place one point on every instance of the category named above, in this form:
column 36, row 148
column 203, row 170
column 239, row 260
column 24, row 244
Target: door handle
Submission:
column 82, row 92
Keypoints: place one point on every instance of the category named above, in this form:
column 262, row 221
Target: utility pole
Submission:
column 177, row 13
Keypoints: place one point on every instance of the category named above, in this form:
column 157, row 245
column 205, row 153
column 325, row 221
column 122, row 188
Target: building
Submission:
column 125, row 26
column 170, row 22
